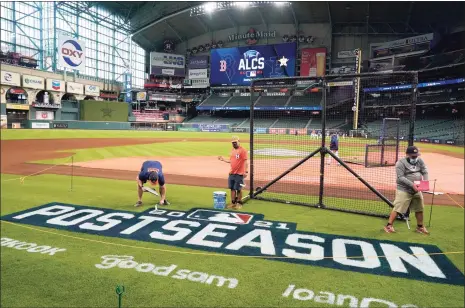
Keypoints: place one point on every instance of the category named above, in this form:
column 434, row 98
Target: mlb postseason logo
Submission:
column 249, row 234
column 71, row 53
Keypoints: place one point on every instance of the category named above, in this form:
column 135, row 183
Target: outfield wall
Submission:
column 224, row 128
column 95, row 125
column 103, row 111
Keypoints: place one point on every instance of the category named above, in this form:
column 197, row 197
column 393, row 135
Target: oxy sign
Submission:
column 249, row 234
column 91, row 90
column 71, row 53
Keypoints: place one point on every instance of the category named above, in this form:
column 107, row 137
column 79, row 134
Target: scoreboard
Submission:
column 237, row 66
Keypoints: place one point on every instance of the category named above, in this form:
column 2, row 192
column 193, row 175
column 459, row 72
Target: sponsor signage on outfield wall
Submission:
column 250, row 234
column 258, row 108
column 55, row 85
column 74, row 88
column 239, row 130
column 91, row 90
column 60, row 125
column 40, row 125
column 71, row 53
column 17, row 106
column 10, row 79
column 33, row 82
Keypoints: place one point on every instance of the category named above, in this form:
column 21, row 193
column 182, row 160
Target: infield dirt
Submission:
column 209, row 172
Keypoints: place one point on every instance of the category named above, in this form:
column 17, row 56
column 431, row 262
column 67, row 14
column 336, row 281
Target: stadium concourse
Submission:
column 326, row 97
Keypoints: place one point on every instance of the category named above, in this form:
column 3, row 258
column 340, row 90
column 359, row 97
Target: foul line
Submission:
column 23, row 178
column 453, row 200
column 220, row 254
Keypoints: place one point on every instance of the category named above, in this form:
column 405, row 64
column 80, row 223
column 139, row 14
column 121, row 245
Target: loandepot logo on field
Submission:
column 249, row 234
column 72, row 53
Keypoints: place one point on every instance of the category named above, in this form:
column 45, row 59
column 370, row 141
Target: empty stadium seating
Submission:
column 203, row 119
column 271, row 101
column 214, row 100
column 314, row 99
column 292, row 122
column 239, row 101
column 262, row 123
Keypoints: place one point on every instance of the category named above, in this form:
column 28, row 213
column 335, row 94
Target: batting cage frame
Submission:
column 311, row 188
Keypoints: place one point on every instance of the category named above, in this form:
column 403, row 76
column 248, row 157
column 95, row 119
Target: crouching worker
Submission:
column 152, row 172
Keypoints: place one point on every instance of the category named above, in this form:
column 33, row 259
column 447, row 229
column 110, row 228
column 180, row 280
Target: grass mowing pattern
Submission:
column 71, row 279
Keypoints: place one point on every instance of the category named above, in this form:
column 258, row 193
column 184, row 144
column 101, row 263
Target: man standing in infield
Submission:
column 151, row 171
column 409, row 169
column 238, row 172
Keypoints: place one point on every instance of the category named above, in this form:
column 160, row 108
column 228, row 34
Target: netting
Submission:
column 331, row 142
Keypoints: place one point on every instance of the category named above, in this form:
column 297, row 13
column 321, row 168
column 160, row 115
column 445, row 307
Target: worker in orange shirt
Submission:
column 237, row 174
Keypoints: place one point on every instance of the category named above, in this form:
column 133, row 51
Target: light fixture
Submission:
column 242, row 4
column 210, row 7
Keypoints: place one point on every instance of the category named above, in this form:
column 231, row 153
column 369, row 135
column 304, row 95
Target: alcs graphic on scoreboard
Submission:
column 239, row 65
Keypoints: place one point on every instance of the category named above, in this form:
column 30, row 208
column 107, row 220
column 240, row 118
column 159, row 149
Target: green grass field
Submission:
column 71, row 278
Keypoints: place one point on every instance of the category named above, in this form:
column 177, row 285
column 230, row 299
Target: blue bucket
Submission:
column 219, row 200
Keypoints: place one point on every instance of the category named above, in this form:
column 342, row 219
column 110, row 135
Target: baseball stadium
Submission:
column 232, row 154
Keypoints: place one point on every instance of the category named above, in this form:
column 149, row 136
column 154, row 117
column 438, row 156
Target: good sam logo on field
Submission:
column 249, row 234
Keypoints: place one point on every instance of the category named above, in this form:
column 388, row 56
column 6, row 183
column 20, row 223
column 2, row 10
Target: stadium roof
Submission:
column 153, row 22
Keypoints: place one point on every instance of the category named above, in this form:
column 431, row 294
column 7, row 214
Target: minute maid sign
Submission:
column 251, row 235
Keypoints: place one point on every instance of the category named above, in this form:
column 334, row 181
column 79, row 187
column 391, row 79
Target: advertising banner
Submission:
column 159, row 59
column 11, row 79
column 347, row 54
column 170, row 127
column 277, row 131
column 17, row 106
column 313, row 62
column 71, row 53
column 74, row 88
column 33, row 82
column 159, row 71
column 3, row 121
column 60, row 125
column 299, row 131
column 450, row 142
column 45, row 115
column 40, row 125
column 141, row 96
column 55, row 85
column 239, row 130
column 91, row 90
column 259, row 130
column 188, row 129
column 198, row 73
column 239, row 65
column 198, row 62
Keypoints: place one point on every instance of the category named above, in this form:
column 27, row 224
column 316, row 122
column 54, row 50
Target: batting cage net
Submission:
column 331, row 142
